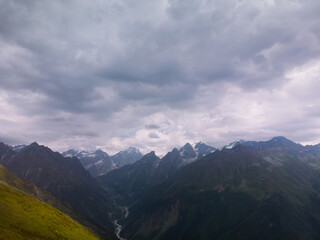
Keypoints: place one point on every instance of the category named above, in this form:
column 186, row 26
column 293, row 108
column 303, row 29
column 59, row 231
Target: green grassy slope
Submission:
column 43, row 196
column 23, row 217
column 66, row 180
column 29, row 188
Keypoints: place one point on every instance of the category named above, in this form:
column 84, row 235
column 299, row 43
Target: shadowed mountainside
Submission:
column 255, row 190
column 22, row 216
column 65, row 179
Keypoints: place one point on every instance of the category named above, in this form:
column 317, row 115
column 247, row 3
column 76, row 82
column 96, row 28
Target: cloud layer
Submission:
column 156, row 74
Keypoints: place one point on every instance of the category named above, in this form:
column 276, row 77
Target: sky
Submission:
column 110, row 74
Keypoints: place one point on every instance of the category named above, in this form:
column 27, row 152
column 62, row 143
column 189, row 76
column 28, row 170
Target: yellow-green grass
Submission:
column 24, row 217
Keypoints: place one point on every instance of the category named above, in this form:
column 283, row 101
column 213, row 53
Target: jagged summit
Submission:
column 198, row 144
column 99, row 162
column 34, row 144
column 233, row 144
column 187, row 145
column 149, row 160
column 132, row 150
column 281, row 140
column 128, row 156
column 69, row 153
column 99, row 151
column 190, row 153
column 152, row 153
column 175, row 151
column 187, row 152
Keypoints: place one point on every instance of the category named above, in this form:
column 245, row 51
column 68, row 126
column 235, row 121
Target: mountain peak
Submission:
column 284, row 142
column 198, row 144
column 2, row 145
column 203, row 149
column 150, row 157
column 34, row 144
column 69, row 153
column 187, row 152
column 100, row 152
column 175, row 150
column 187, row 145
column 151, row 154
column 4, row 149
column 34, row 147
column 235, row 143
column 280, row 139
column 133, row 150
column 128, row 156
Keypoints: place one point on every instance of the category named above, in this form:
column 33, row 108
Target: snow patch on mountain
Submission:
column 233, row 144
column 99, row 162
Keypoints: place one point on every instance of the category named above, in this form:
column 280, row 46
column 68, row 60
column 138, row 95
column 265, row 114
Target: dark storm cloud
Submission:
column 111, row 66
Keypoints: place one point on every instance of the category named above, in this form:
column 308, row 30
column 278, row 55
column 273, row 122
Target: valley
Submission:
column 122, row 214
column 239, row 191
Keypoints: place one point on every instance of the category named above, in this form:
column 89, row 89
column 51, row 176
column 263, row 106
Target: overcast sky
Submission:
column 112, row 74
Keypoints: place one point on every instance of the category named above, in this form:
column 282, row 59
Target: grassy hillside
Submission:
column 23, row 217
column 66, row 180
column 29, row 188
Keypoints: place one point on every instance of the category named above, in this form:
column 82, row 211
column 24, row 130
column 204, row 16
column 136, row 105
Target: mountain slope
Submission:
column 97, row 162
column 232, row 194
column 203, row 149
column 128, row 156
column 23, row 217
column 129, row 181
column 191, row 153
column 169, row 165
column 29, row 188
column 64, row 178
column 17, row 148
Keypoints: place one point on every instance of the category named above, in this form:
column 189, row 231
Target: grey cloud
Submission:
column 153, row 135
column 92, row 62
column 152, row 126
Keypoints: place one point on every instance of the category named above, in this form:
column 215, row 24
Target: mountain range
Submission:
column 99, row 162
column 130, row 180
column 244, row 190
column 248, row 190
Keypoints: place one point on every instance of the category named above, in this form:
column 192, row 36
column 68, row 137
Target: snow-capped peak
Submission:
column 191, row 152
column 132, row 150
column 233, row 144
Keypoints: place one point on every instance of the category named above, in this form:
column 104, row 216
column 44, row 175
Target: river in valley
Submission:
column 118, row 227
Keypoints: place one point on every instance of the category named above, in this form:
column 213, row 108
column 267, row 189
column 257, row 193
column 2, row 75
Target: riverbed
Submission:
column 118, row 227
